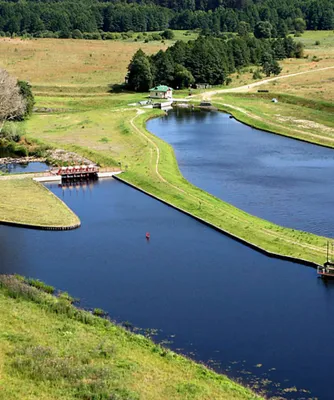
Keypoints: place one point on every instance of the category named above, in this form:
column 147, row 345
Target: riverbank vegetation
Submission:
column 26, row 202
column 51, row 349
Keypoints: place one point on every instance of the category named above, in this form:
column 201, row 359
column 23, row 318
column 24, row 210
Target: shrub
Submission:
column 40, row 285
column 99, row 312
column 12, row 132
column 156, row 36
column 257, row 74
column 167, row 34
column 21, row 151
column 317, row 43
column 77, row 34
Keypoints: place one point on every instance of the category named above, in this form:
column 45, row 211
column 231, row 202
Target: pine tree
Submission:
column 139, row 76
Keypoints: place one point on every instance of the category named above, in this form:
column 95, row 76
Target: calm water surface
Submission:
column 276, row 178
column 226, row 304
column 14, row 168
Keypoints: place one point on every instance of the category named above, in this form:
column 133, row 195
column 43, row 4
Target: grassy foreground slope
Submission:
column 27, row 202
column 51, row 350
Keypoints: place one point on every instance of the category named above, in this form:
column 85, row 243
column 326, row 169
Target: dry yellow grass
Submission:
column 314, row 85
column 57, row 62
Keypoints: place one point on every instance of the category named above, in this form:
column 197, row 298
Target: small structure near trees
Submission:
column 161, row 92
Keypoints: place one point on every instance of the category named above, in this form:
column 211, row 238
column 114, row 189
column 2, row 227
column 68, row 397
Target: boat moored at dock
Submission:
column 327, row 269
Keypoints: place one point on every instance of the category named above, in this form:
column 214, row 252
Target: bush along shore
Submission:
column 56, row 350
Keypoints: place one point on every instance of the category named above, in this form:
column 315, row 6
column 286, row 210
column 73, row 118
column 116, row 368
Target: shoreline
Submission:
column 316, row 250
column 221, row 230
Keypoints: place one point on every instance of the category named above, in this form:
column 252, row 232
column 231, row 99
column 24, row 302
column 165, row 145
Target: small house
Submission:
column 161, row 92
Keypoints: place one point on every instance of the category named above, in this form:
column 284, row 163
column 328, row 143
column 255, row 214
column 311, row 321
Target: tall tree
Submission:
column 12, row 103
column 139, row 76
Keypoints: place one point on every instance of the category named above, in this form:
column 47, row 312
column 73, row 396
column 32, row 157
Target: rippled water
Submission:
column 285, row 181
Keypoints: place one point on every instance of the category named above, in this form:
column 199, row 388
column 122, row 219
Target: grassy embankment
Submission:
column 101, row 125
column 24, row 201
column 110, row 131
column 306, row 102
column 51, row 350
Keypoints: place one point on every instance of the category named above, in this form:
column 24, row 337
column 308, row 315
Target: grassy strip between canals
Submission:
column 120, row 135
column 24, row 201
column 172, row 187
column 50, row 349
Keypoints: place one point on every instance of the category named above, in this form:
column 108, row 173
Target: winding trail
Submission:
column 274, row 235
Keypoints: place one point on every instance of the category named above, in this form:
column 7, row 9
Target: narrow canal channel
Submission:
column 261, row 320
column 285, row 181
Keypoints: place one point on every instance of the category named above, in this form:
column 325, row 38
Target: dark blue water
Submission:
column 14, row 168
column 273, row 177
column 226, row 304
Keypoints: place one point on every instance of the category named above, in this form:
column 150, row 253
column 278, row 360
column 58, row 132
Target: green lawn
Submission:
column 51, row 350
column 27, row 202
column 118, row 135
column 309, row 120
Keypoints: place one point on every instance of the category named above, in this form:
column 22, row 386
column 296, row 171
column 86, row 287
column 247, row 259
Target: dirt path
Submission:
column 245, row 88
column 275, row 235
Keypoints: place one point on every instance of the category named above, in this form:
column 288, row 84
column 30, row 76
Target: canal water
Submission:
column 15, row 168
column 264, row 321
column 285, row 181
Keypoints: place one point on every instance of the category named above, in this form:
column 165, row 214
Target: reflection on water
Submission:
column 276, row 178
column 15, row 168
column 264, row 321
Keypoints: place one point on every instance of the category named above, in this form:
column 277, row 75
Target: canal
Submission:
column 264, row 321
column 284, row 181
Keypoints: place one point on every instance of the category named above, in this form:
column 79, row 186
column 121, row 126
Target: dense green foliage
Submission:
column 67, row 17
column 208, row 60
column 26, row 93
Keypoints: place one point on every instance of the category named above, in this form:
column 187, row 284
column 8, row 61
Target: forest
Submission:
column 209, row 60
column 57, row 18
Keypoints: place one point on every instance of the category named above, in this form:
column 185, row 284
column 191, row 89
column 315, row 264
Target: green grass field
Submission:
column 118, row 134
column 27, row 202
column 51, row 350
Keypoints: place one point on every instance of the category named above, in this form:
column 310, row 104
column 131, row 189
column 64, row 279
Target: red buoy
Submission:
column 148, row 235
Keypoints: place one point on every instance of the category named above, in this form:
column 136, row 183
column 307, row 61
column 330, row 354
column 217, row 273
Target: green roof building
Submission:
column 161, row 92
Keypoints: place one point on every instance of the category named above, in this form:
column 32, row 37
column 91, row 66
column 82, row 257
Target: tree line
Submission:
column 63, row 17
column 209, row 60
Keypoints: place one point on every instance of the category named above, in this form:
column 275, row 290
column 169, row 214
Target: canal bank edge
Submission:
column 314, row 244
column 110, row 359
column 68, row 220
column 248, row 120
column 221, row 230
